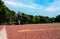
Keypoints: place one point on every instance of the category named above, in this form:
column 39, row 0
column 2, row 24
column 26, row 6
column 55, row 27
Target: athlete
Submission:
column 19, row 18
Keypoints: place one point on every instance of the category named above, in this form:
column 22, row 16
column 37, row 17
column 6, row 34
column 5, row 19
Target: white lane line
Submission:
column 3, row 34
column 29, row 30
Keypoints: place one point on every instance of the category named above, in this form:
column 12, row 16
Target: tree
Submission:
column 6, row 15
column 33, row 20
column 57, row 19
column 37, row 19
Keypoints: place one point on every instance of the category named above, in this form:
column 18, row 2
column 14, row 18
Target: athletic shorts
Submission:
column 19, row 18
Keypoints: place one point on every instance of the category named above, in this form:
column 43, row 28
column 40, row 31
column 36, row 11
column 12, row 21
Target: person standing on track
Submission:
column 19, row 16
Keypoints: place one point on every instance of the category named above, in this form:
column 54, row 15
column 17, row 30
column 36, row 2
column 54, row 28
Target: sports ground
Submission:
column 30, row 31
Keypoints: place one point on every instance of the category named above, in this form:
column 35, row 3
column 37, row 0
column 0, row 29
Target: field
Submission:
column 33, row 31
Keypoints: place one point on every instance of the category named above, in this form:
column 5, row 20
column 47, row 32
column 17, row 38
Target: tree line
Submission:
column 30, row 19
column 8, row 16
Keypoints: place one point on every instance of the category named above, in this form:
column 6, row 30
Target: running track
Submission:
column 30, row 31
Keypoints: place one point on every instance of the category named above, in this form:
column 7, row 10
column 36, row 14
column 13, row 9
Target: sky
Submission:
column 50, row 8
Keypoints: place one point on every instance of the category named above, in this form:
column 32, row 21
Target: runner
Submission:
column 19, row 18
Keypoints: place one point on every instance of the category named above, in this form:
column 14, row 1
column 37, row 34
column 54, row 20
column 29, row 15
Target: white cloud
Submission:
column 52, row 9
column 15, row 4
column 21, row 4
column 55, row 6
column 11, row 3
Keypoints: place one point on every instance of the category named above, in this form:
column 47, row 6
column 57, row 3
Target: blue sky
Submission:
column 49, row 8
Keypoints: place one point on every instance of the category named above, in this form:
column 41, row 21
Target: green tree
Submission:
column 6, row 15
column 57, row 19
column 37, row 18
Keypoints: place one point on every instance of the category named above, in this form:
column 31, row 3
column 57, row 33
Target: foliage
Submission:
column 8, row 16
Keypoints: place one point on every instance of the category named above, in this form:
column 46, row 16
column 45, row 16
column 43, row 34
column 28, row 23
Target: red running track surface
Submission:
column 33, row 31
